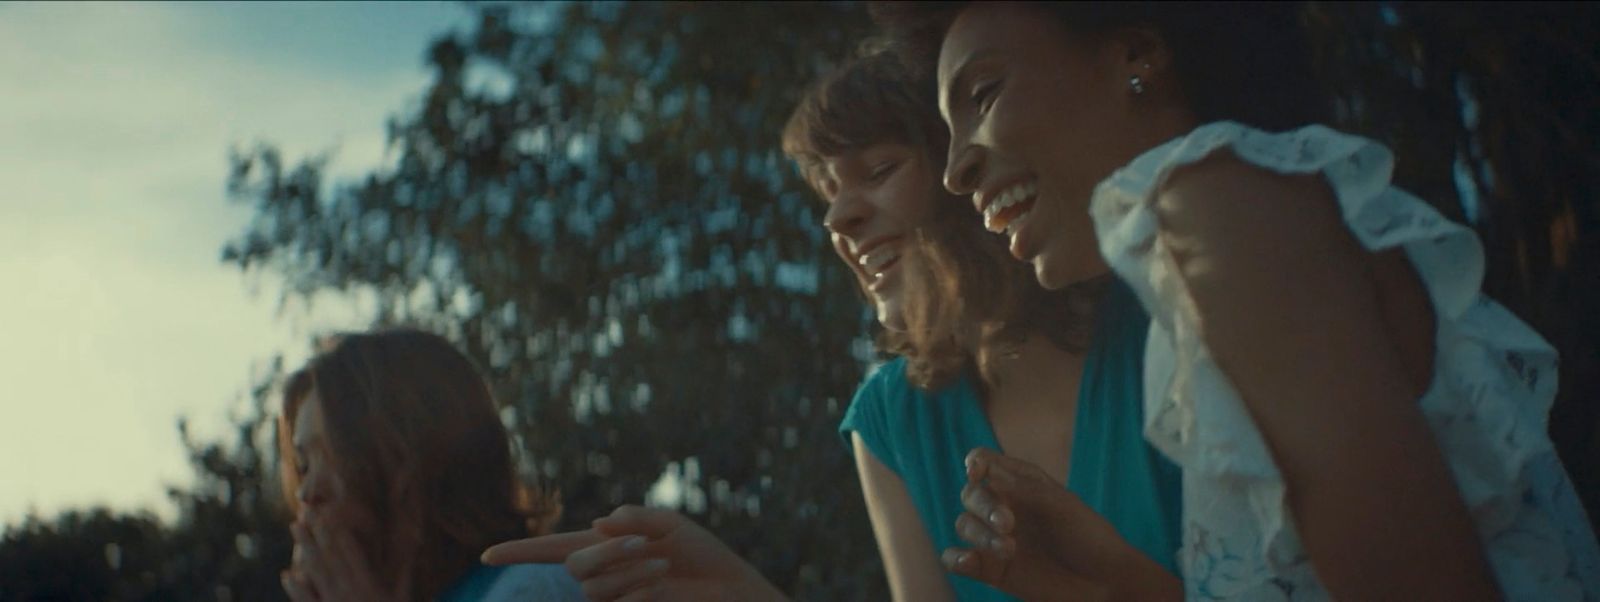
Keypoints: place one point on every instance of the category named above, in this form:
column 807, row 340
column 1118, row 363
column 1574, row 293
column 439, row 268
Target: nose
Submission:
column 847, row 214
column 313, row 491
column 964, row 169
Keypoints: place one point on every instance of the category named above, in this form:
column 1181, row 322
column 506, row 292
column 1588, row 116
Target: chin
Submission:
column 1064, row 264
column 890, row 316
column 1057, row 275
column 1051, row 275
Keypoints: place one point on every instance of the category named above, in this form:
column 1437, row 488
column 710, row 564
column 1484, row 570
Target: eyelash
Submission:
column 983, row 94
column 883, row 170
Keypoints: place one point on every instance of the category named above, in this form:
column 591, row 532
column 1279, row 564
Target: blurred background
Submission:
column 589, row 199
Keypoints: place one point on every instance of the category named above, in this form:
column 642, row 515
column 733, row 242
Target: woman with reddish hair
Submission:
column 398, row 472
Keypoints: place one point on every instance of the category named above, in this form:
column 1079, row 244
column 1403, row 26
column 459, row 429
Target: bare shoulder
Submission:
column 1223, row 199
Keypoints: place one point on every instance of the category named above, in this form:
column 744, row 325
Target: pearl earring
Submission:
column 1136, row 82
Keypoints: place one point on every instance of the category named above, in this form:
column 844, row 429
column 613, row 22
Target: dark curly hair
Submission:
column 1248, row 62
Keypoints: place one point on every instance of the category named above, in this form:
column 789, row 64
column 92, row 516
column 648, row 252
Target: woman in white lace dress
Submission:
column 1353, row 418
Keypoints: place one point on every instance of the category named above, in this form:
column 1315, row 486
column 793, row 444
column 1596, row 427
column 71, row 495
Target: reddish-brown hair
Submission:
column 870, row 100
column 412, row 430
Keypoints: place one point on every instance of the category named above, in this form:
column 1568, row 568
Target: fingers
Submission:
column 648, row 593
column 296, row 586
column 625, row 579
column 966, row 563
column 653, row 523
column 981, row 502
column 1008, row 475
column 980, row 535
column 978, row 461
column 548, row 549
column 339, row 554
column 990, row 555
column 588, row 562
column 310, row 562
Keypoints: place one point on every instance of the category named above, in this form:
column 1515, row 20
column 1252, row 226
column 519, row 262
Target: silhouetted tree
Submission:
column 228, row 543
column 591, row 201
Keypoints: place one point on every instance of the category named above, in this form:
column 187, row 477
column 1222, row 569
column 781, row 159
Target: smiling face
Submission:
column 1038, row 116
column 877, row 197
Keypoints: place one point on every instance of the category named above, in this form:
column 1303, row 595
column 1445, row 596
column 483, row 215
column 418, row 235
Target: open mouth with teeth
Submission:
column 1004, row 214
column 878, row 262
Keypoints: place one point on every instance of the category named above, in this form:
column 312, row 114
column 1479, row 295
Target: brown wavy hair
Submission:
column 968, row 300
column 413, row 431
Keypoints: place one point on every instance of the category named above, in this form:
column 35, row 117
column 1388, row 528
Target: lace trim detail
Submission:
column 1494, row 379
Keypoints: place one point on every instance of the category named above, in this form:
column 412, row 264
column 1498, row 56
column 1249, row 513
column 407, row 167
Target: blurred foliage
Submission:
column 228, row 543
column 590, row 200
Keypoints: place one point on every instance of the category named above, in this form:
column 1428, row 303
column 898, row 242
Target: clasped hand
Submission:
column 640, row 553
column 328, row 564
column 1034, row 539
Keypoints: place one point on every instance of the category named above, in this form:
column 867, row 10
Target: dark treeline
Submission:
column 589, row 199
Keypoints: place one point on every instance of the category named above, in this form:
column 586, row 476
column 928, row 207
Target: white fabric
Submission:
column 1494, row 382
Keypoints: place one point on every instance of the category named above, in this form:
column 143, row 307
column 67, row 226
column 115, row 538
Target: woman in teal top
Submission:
column 989, row 360
column 988, row 357
column 925, row 436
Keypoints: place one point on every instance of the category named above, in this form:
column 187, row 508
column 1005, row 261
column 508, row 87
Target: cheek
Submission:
column 912, row 198
column 1046, row 121
column 1023, row 128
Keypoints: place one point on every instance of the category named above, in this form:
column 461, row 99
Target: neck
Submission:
column 1166, row 122
column 1036, row 373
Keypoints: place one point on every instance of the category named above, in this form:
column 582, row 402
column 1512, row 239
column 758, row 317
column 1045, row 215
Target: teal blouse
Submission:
column 516, row 583
column 924, row 437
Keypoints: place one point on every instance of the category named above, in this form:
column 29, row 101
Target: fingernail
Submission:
column 994, row 518
column 633, row 542
column 655, row 565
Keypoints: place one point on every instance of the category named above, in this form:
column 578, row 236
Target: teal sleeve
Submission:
column 868, row 414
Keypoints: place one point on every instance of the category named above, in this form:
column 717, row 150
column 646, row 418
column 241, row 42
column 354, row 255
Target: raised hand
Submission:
column 329, row 565
column 640, row 553
column 1035, row 540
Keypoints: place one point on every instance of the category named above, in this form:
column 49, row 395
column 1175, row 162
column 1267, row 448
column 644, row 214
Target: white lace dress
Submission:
column 1494, row 381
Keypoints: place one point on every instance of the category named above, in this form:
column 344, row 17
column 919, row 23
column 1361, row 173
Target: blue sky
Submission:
column 115, row 125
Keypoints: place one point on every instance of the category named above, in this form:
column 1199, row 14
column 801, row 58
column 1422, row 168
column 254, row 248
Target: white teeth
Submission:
column 1016, row 224
column 1007, row 198
column 873, row 263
